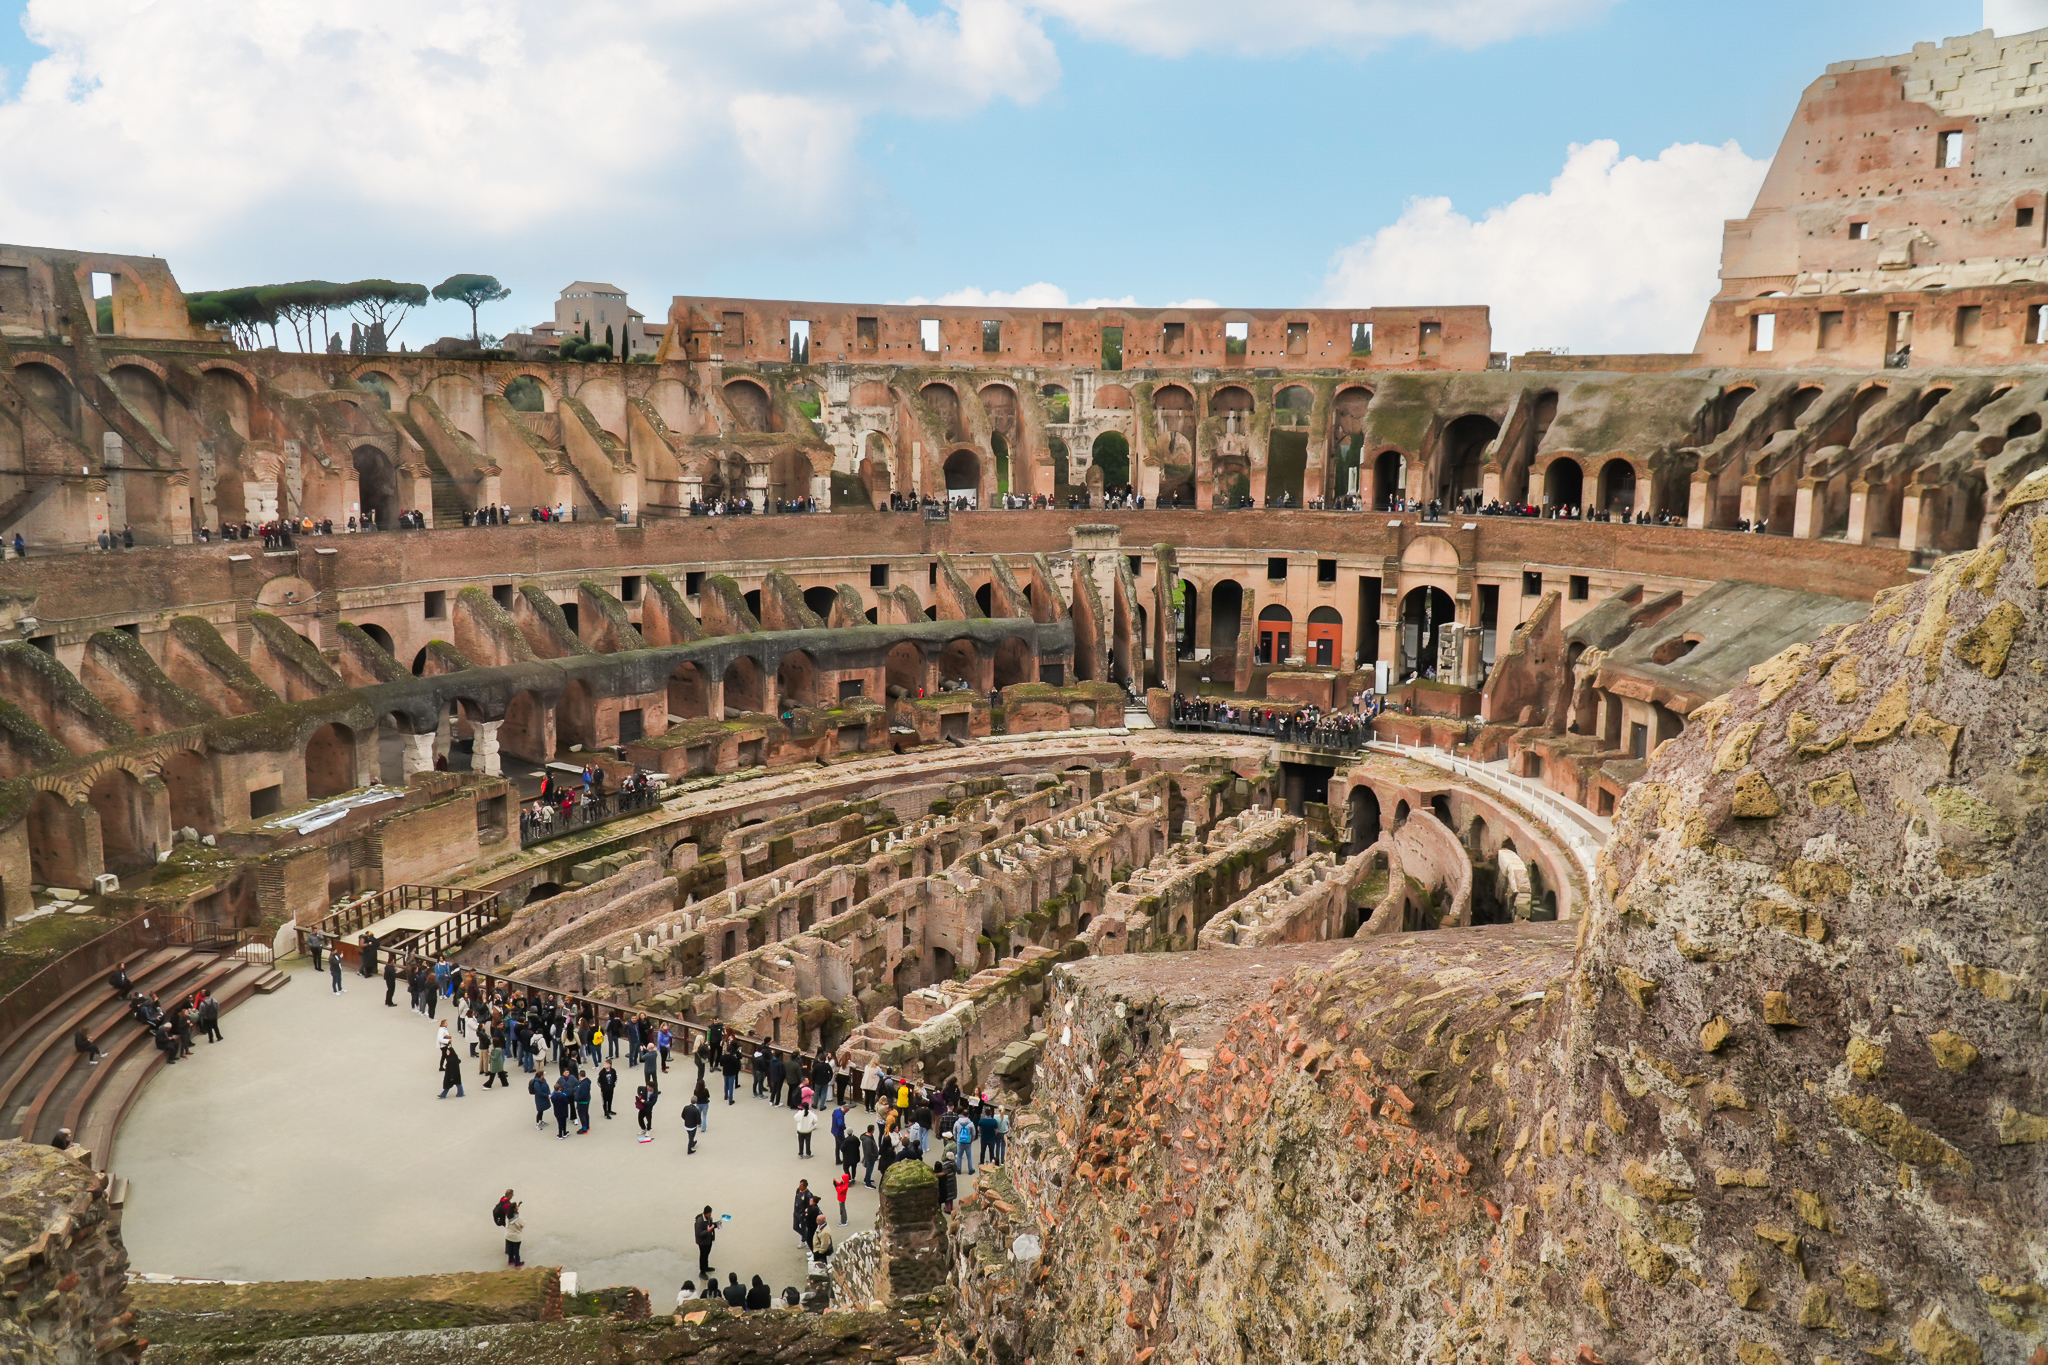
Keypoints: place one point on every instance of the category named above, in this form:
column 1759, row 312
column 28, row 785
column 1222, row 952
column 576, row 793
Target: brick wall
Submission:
column 63, row 1269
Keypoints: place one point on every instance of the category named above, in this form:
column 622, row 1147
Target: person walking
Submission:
column 209, row 1019
column 806, row 1124
column 515, row 1234
column 494, row 1064
column 334, row 971
column 451, row 1072
column 707, row 1233
column 702, row 1099
column 582, row 1103
column 869, row 1152
column 963, row 1144
column 607, row 1082
column 643, row 1109
column 729, row 1067
column 538, row 1088
column 840, row 1187
column 690, row 1125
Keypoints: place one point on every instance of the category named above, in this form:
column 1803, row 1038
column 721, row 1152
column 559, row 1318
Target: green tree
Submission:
column 383, row 304
column 474, row 291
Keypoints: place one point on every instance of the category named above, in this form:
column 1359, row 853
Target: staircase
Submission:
column 449, row 502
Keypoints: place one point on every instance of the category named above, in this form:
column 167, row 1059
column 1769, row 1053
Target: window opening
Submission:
column 1173, row 339
column 1831, row 331
column 1949, row 149
column 1236, row 336
column 878, row 575
column 1582, row 587
column 928, row 334
column 1112, row 348
column 2037, row 324
column 1326, row 571
column 734, row 332
column 103, row 303
column 629, row 587
column 2024, row 217
column 436, row 605
column 693, row 582
column 991, row 337
column 1432, row 338
column 1052, row 337
column 1969, row 324
column 1361, row 338
column 1276, row 568
column 1763, row 331
column 799, row 342
column 1859, row 232
column 1297, row 338
column 867, row 333
column 1532, row 585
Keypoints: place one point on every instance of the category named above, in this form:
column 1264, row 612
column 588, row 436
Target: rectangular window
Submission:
column 991, row 337
column 1137, row 563
column 2023, row 217
column 629, row 587
column 867, row 333
column 928, row 334
column 265, row 801
column 1763, row 331
column 1532, row 585
column 1236, row 337
column 733, row 334
column 1859, row 232
column 1431, row 338
column 103, row 303
column 1297, row 338
column 878, row 575
column 933, row 576
column 632, row 725
column 1898, row 334
column 1361, row 338
column 1052, row 337
column 1173, row 338
column 437, row 605
column 1581, row 587
column 1831, row 331
column 1326, row 571
column 1276, row 568
column 490, row 819
column 849, row 688
column 502, row 595
column 2037, row 324
column 1638, row 741
column 693, row 582
column 1969, row 324
column 1948, row 151
column 799, row 342
column 1112, row 348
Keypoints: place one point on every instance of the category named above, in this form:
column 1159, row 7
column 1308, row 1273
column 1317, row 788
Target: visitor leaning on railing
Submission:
column 562, row 809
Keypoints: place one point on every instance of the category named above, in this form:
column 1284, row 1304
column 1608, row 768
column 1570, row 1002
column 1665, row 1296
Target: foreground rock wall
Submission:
column 63, row 1269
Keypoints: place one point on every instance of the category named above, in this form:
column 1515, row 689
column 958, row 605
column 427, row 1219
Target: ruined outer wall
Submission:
column 63, row 1269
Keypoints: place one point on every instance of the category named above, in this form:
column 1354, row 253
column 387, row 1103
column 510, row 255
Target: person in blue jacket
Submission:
column 563, row 1098
column 583, row 1103
column 538, row 1088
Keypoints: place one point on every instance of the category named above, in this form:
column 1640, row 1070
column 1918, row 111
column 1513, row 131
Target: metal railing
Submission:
column 1327, row 739
column 554, row 822
column 1571, row 822
column 469, row 912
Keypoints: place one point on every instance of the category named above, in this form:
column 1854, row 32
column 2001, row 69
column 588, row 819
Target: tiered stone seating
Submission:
column 47, row 1084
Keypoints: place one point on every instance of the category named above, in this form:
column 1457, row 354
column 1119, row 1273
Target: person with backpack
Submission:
column 501, row 1212
column 963, row 1142
column 515, row 1233
column 538, row 1088
column 691, row 1123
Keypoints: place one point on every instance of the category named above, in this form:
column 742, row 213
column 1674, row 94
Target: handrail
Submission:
column 597, row 810
column 1583, row 837
column 469, row 907
column 95, row 957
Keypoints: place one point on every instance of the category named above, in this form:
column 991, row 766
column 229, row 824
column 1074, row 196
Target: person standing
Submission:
column 702, row 1098
column 390, row 980
column 451, row 1072
column 582, row 1103
column 209, row 1019
column 316, row 943
column 806, row 1124
column 963, row 1143
column 643, row 1108
column 538, row 1088
column 760, row 1070
column 707, row 1233
column 777, row 1074
column 334, row 971
column 840, row 1187
column 662, row 1039
column 494, row 1064
column 849, row 1152
column 870, row 1083
column 729, row 1067
column 563, row 1098
column 607, row 1082
column 869, row 1153
column 949, row 1184
column 690, row 1125
column 515, row 1233
column 368, row 945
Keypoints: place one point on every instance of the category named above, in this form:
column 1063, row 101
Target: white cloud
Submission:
column 233, row 133
column 1173, row 28
column 1619, row 254
column 1040, row 295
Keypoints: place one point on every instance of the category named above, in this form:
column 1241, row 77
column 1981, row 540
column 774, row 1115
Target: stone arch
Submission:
column 790, row 472
column 743, row 686
column 1111, row 454
column 1463, row 456
column 944, row 402
column 542, row 386
column 963, row 472
column 44, row 379
column 689, row 692
column 387, row 390
column 234, row 391
column 142, row 383
column 1231, row 398
column 59, row 846
column 1430, row 552
column 376, row 485
column 1013, row 663
column 190, row 790
column 960, row 661
column 1425, row 611
column 821, row 600
column 330, row 761
column 904, row 668
column 1387, row 471
column 527, row 731
column 796, row 680
column 1564, row 482
column 1617, row 488
column 1226, row 614
column 1112, row 397
column 576, row 717
column 1363, row 808
column 748, row 403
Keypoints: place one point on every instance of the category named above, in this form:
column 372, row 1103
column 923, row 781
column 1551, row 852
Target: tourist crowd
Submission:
column 563, row 806
column 1309, row 725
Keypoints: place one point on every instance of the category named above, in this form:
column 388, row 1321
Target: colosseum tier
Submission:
column 1512, row 859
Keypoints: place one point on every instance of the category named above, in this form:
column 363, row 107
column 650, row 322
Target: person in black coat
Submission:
column 759, row 1296
column 582, row 1102
column 538, row 1088
column 369, row 947
column 735, row 1292
column 451, row 1073
column 607, row 1082
column 119, row 981
column 390, row 980
column 777, row 1073
column 729, row 1067
column 949, row 1184
column 707, row 1232
column 209, row 1019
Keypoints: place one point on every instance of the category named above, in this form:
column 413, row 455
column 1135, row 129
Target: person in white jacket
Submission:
column 515, row 1233
column 870, row 1082
column 806, row 1124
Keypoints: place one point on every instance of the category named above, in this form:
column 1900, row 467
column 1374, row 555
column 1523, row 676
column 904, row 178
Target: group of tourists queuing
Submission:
column 722, row 507
column 563, row 804
column 1311, row 724
column 561, row 511
column 796, row 505
column 171, row 1027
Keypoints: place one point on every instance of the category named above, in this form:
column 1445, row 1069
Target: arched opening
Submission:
column 526, row 732
column 1062, row 467
column 1618, row 487
column 381, row 636
column 789, row 476
column 379, row 385
column 689, row 694
column 128, row 841
column 231, row 393
column 984, row 598
column 330, row 762
column 873, row 474
column 1231, row 398
column 753, row 601
column 142, row 388
column 944, row 403
column 1400, row 814
column 1287, row 446
column 1389, row 471
column 419, row 663
column 1724, row 409
column 524, row 394
column 743, row 687
column 394, row 735
column 999, row 447
column 1276, row 635
column 1226, row 615
column 1363, row 807
column 376, row 486
column 1058, row 404
column 1014, row 663
column 960, row 663
column 576, row 717
column 821, row 602
column 1465, row 443
column 1111, row 454
column 748, row 404
column 1564, row 483
column 944, row 968
column 542, row 891
column 56, row 843
column 189, row 787
column 1440, row 806
column 904, row 670
column 48, row 386
column 796, row 681
column 963, row 475
column 1325, row 637
column 1424, row 614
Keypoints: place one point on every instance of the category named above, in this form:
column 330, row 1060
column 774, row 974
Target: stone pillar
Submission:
column 484, row 757
column 1809, row 509
column 912, row 1231
column 1489, row 483
column 416, row 754
column 1916, row 517
column 1859, row 512
column 1698, row 507
column 1752, row 494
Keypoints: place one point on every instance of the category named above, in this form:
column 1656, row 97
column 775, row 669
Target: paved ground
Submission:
column 310, row 1145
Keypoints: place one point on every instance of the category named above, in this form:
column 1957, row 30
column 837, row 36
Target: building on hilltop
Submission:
column 595, row 307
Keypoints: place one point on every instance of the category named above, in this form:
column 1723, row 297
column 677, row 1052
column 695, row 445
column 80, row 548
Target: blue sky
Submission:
column 1034, row 153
